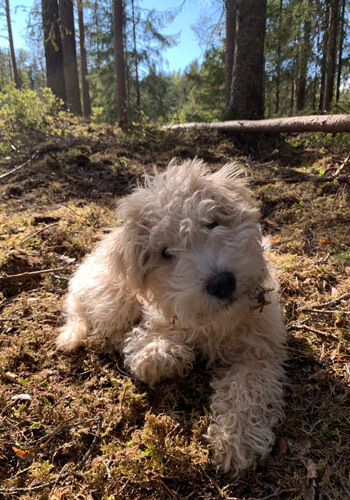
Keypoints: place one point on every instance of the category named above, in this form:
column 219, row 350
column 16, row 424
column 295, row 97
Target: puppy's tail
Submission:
column 72, row 335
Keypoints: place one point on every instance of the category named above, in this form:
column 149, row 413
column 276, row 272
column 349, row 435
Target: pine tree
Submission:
column 12, row 48
column 66, row 12
column 53, row 49
column 331, row 50
column 119, row 63
column 341, row 48
column 304, row 57
column 83, row 62
column 230, row 45
column 247, row 94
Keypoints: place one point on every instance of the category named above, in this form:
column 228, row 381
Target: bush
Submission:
column 25, row 116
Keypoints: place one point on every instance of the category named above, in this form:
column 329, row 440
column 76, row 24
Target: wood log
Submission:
column 314, row 123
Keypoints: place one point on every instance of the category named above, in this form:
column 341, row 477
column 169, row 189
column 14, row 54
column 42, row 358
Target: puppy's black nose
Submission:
column 222, row 285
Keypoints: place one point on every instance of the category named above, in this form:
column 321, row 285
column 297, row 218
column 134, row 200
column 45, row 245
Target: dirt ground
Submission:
column 78, row 426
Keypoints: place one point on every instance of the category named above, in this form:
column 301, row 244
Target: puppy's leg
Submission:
column 99, row 301
column 157, row 354
column 246, row 405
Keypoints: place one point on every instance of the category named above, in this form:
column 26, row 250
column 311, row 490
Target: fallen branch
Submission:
column 37, row 232
column 334, row 302
column 324, row 311
column 311, row 329
column 32, row 274
column 341, row 167
column 81, row 462
column 19, row 166
column 314, row 123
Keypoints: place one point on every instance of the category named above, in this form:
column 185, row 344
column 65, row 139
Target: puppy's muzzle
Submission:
column 222, row 285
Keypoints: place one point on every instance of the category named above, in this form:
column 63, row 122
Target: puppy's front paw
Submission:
column 228, row 449
column 235, row 444
column 71, row 336
column 157, row 360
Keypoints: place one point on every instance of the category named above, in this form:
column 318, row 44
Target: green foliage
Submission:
column 204, row 87
column 196, row 95
column 25, row 115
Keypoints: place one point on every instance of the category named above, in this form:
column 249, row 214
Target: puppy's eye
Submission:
column 211, row 225
column 166, row 254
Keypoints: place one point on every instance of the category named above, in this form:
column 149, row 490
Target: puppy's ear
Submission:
column 231, row 179
column 130, row 254
column 112, row 248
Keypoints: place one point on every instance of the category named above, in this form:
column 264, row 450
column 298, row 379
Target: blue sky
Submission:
column 188, row 48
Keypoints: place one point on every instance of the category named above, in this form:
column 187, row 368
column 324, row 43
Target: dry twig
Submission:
column 313, row 330
column 37, row 232
column 31, row 274
column 324, row 311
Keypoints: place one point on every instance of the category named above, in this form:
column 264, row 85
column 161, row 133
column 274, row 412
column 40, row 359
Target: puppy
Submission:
column 185, row 275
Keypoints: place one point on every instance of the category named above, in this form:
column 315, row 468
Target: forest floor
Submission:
column 78, row 426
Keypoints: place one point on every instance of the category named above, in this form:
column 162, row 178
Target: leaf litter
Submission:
column 78, row 426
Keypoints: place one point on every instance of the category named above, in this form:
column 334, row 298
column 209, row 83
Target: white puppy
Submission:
column 185, row 275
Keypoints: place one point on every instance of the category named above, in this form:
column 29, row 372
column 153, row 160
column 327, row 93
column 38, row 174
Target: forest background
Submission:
column 306, row 48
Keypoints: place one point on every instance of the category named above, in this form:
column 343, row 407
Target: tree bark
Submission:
column 315, row 123
column 83, row 62
column 230, row 45
column 12, row 48
column 324, row 55
column 137, row 82
column 279, row 61
column 340, row 55
column 53, row 49
column 331, row 54
column 247, row 93
column 70, row 65
column 292, row 88
column 119, row 63
column 304, row 60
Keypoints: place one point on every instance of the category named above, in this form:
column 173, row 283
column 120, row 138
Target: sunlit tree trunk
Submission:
column 304, row 60
column 137, row 82
column 53, row 49
column 323, row 60
column 340, row 54
column 83, row 62
column 292, row 89
column 230, row 45
column 12, row 48
column 66, row 11
column 119, row 63
column 247, row 93
column 279, row 61
column 331, row 54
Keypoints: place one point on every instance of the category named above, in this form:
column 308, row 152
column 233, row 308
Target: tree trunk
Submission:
column 292, row 89
column 53, row 49
column 12, row 48
column 247, row 93
column 66, row 11
column 230, row 45
column 119, row 63
column 279, row 61
column 304, row 59
column 83, row 63
column 315, row 123
column 314, row 93
column 324, row 54
column 340, row 55
column 331, row 54
column 138, row 97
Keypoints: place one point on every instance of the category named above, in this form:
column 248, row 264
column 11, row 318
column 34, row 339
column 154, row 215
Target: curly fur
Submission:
column 154, row 305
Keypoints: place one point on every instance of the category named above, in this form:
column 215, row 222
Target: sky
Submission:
column 188, row 48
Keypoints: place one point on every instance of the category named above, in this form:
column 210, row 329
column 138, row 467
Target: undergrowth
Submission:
column 78, row 426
